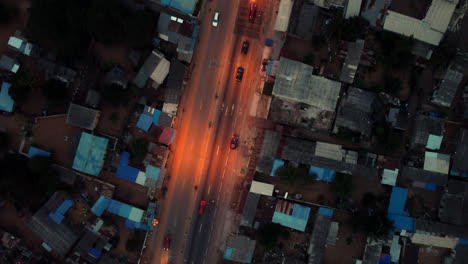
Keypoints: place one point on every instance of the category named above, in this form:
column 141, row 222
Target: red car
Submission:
column 234, row 142
column 253, row 11
column 201, row 208
column 167, row 242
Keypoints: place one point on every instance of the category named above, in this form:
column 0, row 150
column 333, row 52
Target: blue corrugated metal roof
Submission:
column 95, row 253
column 63, row 208
column 124, row 171
column 402, row 222
column 37, row 152
column 6, row 102
column 152, row 172
column 156, row 115
column 56, row 217
column 430, row 187
column 277, row 163
column 325, row 211
column 132, row 225
column 228, row 253
column 463, row 241
column 90, row 154
column 144, row 122
column 458, row 173
column 397, row 201
column 385, row 259
column 323, row 174
column 297, row 220
column 100, row 206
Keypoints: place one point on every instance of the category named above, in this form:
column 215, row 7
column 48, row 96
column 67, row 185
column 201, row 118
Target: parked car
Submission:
column 215, row 19
column 234, row 142
column 201, row 207
column 253, row 11
column 245, row 47
column 239, row 74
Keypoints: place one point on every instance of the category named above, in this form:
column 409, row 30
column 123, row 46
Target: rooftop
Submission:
column 6, row 102
column 83, row 117
column 186, row 6
column 175, row 81
column 424, row 176
column 396, row 210
column 239, row 249
column 295, row 81
column 298, row 150
column 262, row 188
column 355, row 111
column 59, row 237
column 303, row 20
column 353, row 8
column 351, row 63
column 436, row 162
column 442, row 229
column 267, row 155
column 282, row 16
column 9, row 64
column 250, row 209
column 90, row 154
column 424, row 126
column 454, row 203
column 445, row 94
column 155, row 67
column 374, row 11
column 461, row 152
column 318, row 239
column 291, row 215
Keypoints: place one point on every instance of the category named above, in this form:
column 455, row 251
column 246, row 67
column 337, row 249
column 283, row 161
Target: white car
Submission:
column 215, row 19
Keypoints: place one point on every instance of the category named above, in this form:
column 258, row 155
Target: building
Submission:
column 250, row 209
column 390, row 167
column 291, row 215
column 156, row 68
column 239, row 249
column 303, row 20
column 9, row 64
column 89, row 248
column 398, row 117
column 329, row 3
column 116, row 76
column 182, row 33
column 320, row 233
column 372, row 252
column 93, row 98
column 83, row 117
column 351, row 63
column 396, row 210
column 459, row 164
column 436, row 162
column 446, row 90
column 454, row 203
column 353, row 8
column 262, row 188
column 283, row 15
column 89, row 156
column 6, row 102
column 375, row 11
column 355, row 111
column 271, row 142
column 21, row 45
column 424, row 179
column 430, row 29
column 425, row 126
column 57, row 234
column 147, row 178
column 438, row 234
column 175, row 82
column 186, row 6
column 303, row 99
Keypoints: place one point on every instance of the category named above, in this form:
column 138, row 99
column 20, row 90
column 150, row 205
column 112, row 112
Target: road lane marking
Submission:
column 232, row 108
column 199, row 231
column 225, row 113
column 217, row 151
column 225, row 164
column 224, row 172
column 209, row 187
column 220, row 187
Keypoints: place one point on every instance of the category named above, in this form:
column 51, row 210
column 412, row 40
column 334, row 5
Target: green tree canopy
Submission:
column 21, row 85
column 342, row 186
column 7, row 12
column 139, row 148
column 4, row 141
column 294, row 175
column 347, row 29
column 55, row 90
column 396, row 50
column 269, row 234
column 376, row 226
column 116, row 95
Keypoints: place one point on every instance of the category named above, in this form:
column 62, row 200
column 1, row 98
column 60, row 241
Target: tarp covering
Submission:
column 396, row 211
column 95, row 253
column 152, row 172
column 322, row 174
column 144, row 122
column 124, row 171
column 277, row 163
column 156, row 115
column 6, row 102
column 90, row 154
column 100, row 206
column 37, row 152
column 325, row 211
column 430, row 187
column 228, row 253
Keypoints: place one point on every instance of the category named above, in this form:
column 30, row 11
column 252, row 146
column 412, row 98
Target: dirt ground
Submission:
column 125, row 234
column 432, row 255
column 12, row 222
column 341, row 252
column 13, row 125
column 18, row 23
column 57, row 140
column 420, row 201
column 412, row 8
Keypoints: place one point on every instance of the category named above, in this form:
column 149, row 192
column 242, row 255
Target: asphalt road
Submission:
column 204, row 166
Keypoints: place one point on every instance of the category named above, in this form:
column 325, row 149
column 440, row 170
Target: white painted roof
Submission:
column 353, row 8
column 262, row 188
column 282, row 18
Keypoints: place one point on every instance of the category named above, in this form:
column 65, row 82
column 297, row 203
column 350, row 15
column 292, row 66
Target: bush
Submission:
column 131, row 245
column 342, row 186
column 267, row 88
column 292, row 175
column 4, row 141
column 55, row 90
column 269, row 233
column 7, row 12
column 139, row 148
column 21, row 85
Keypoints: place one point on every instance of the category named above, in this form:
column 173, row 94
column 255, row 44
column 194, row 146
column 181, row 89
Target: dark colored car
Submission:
column 264, row 65
column 239, row 74
column 253, row 11
column 245, row 47
column 167, row 242
column 201, row 208
column 234, row 142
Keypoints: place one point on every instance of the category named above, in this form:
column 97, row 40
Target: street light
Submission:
column 155, row 222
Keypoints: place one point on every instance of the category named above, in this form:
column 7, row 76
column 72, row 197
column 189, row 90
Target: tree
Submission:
column 115, row 95
column 347, row 29
column 269, row 234
column 342, row 186
column 396, row 50
column 376, row 226
column 39, row 164
column 139, row 147
column 369, row 199
column 386, row 136
column 131, row 244
column 294, row 175
column 309, row 59
column 7, row 12
column 55, row 90
column 4, row 141
column 21, row 85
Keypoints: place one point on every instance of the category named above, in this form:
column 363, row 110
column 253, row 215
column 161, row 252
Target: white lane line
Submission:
column 220, row 187
column 217, row 150
column 232, row 108
column 209, row 187
column 225, row 113
column 224, row 172
column 199, row 231
column 225, row 164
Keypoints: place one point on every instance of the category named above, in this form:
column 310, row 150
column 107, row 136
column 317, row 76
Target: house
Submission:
column 396, row 210
column 438, row 234
column 283, row 15
column 186, row 6
column 430, row 29
column 262, row 188
column 147, row 178
column 9, row 64
column 420, row 178
column 352, row 60
column 89, row 156
column 454, row 203
column 353, row 8
column 436, row 162
column 459, row 164
column 83, row 117
column 250, row 209
column 372, row 252
column 423, row 128
column 445, row 92
column 156, row 68
column 89, row 248
column 320, row 233
column 57, row 237
column 6, row 102
column 291, row 215
column 175, row 82
column 303, row 20
column 329, row 3
column 182, row 33
column 239, row 249
column 398, row 117
column 268, row 152
column 355, row 111
column 21, row 45
column 390, row 167
column 51, row 70
column 375, row 11
column 303, row 99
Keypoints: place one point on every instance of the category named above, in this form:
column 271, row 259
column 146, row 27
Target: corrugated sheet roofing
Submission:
column 436, row 162
column 6, row 102
column 396, row 210
column 262, row 188
column 353, row 8
column 282, row 15
column 9, row 64
column 186, row 6
column 322, row 174
column 37, row 152
column 100, row 206
column 144, row 122
column 433, row 142
column 90, row 154
column 297, row 220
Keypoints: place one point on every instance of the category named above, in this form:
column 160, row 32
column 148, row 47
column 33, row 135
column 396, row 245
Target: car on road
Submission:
column 264, row 65
column 253, row 11
column 201, row 207
column 215, row 19
column 245, row 47
column 167, row 242
column 234, row 142
column 239, row 74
